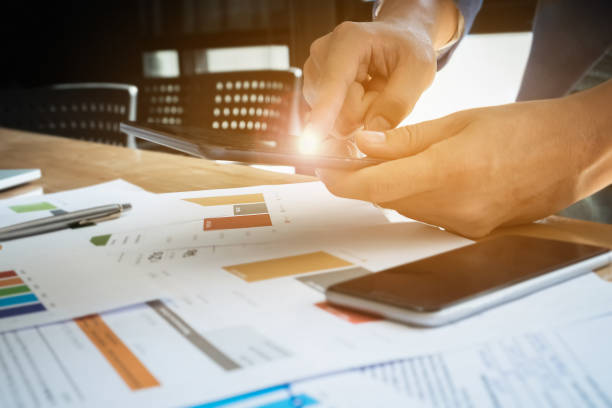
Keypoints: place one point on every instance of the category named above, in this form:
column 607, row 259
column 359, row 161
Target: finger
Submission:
column 344, row 65
column 399, row 96
column 338, row 147
column 311, row 79
column 408, row 140
column 388, row 181
column 353, row 110
column 312, row 67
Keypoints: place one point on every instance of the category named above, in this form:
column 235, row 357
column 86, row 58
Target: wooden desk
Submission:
column 67, row 164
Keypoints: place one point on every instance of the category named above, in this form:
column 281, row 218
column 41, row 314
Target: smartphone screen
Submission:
column 234, row 146
column 444, row 280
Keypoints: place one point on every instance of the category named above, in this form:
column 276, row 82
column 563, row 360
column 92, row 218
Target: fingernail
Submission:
column 318, row 173
column 378, row 123
column 371, row 137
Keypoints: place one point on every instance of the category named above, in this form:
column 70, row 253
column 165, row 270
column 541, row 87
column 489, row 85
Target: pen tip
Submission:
column 126, row 206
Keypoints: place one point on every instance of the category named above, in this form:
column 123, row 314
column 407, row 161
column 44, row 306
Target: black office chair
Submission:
column 255, row 103
column 86, row 111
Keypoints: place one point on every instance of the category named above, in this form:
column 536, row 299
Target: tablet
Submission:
column 236, row 146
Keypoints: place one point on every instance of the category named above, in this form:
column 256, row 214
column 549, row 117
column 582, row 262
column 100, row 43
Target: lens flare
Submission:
column 309, row 141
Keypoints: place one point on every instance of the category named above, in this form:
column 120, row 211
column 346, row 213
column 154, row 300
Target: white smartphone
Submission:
column 453, row 285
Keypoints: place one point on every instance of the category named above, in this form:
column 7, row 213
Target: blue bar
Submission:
column 242, row 397
column 16, row 311
column 17, row 300
column 296, row 401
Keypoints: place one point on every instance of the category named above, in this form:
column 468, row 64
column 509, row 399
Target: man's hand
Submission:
column 373, row 73
column 475, row 170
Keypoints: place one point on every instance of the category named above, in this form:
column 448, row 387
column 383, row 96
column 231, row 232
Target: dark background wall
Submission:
column 94, row 40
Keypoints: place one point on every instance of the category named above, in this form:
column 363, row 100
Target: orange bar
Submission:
column 225, row 200
column 286, row 266
column 240, row 221
column 348, row 315
column 126, row 364
column 10, row 282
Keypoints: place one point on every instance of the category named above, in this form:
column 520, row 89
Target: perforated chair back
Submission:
column 256, row 103
column 86, row 111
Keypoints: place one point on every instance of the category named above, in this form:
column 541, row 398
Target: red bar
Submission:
column 7, row 274
column 348, row 315
column 241, row 221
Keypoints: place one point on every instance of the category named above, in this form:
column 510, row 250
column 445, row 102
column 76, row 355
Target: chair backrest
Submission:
column 256, row 103
column 87, row 111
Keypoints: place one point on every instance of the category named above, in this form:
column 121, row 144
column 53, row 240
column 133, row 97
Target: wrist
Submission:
column 439, row 20
column 592, row 141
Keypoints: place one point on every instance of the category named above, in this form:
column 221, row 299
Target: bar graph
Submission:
column 286, row 266
column 16, row 297
column 248, row 211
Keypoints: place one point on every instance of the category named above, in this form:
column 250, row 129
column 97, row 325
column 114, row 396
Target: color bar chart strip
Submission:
column 347, row 315
column 248, row 209
column 10, row 282
column 242, row 221
column 18, row 300
column 126, row 364
column 7, row 274
column 286, row 266
column 14, row 290
column 183, row 328
column 16, row 311
column 26, row 208
column 225, row 200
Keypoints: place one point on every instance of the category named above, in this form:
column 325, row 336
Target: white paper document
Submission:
column 567, row 366
column 230, row 289
column 69, row 273
column 148, row 356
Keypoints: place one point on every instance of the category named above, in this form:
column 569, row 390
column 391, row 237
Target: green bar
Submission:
column 24, row 208
column 100, row 240
column 14, row 290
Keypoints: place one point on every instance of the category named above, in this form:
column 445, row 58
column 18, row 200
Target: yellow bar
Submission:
column 126, row 364
column 287, row 266
column 231, row 199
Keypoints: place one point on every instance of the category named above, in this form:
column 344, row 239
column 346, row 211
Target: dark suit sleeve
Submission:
column 469, row 9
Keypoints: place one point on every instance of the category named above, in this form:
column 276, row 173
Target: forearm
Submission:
column 593, row 133
column 437, row 19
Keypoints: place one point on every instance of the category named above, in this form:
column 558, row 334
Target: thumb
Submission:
column 407, row 140
column 397, row 99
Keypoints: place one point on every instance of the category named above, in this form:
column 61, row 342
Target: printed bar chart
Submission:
column 286, row 266
column 16, row 298
column 240, row 221
column 126, row 364
column 25, row 208
column 227, row 200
